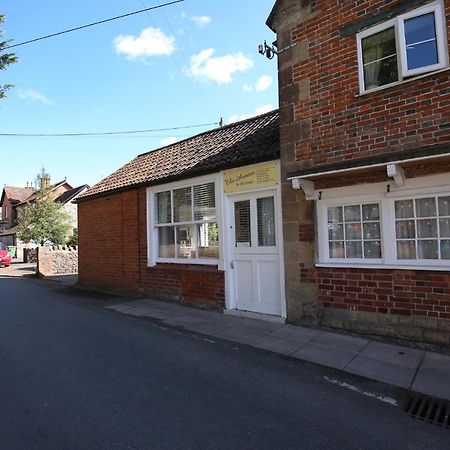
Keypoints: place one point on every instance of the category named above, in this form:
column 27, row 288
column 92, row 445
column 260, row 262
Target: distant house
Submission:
column 15, row 200
column 12, row 197
column 197, row 222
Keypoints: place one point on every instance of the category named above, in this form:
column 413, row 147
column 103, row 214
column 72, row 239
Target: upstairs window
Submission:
column 411, row 44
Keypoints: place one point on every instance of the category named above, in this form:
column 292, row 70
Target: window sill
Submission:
column 209, row 266
column 399, row 83
column 383, row 266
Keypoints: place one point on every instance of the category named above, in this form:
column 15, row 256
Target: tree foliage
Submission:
column 44, row 221
column 5, row 59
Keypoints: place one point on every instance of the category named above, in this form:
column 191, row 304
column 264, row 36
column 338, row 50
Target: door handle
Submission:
column 232, row 264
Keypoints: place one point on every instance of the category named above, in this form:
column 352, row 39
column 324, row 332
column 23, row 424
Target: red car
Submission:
column 5, row 259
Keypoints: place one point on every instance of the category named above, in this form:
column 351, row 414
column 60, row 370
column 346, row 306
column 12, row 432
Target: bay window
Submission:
column 186, row 223
column 410, row 44
column 385, row 229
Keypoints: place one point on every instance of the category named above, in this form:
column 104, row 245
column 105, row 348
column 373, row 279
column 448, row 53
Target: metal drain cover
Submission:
column 428, row 409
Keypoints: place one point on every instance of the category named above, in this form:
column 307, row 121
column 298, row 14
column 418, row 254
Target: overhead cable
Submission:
column 106, row 133
column 92, row 24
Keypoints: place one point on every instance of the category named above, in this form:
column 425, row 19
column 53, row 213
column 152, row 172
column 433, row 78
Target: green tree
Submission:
column 5, row 59
column 43, row 220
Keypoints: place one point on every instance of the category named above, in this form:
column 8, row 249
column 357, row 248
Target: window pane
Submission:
column 406, row 250
column 426, row 207
column 352, row 213
column 427, row 228
column 427, row 249
column 335, row 214
column 352, row 231
column 420, row 35
column 372, row 249
column 182, row 205
column 372, row 230
column 380, row 59
column 204, row 202
column 444, row 206
column 444, row 227
column 242, row 223
column 405, row 229
column 166, row 240
column 265, row 208
column 404, row 209
column 163, row 207
column 336, row 250
column 185, row 236
column 353, row 249
column 371, row 212
column 336, row 232
column 445, row 249
column 208, row 239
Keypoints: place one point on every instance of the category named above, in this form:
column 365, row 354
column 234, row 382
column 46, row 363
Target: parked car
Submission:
column 5, row 258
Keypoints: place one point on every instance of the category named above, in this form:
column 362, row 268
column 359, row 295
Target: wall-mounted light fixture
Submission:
column 270, row 51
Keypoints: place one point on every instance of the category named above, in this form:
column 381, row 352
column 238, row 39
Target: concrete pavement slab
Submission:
column 207, row 328
column 182, row 321
column 341, row 342
column 296, row 333
column 380, row 370
column 325, row 355
column 393, row 354
column 277, row 345
column 433, row 376
column 241, row 335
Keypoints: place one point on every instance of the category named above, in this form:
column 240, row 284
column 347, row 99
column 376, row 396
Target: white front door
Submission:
column 255, row 256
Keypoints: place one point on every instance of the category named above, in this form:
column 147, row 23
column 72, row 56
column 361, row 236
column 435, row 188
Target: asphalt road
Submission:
column 76, row 376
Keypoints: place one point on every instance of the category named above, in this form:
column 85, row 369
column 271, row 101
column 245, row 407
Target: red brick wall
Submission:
column 331, row 122
column 113, row 255
column 324, row 120
column 403, row 292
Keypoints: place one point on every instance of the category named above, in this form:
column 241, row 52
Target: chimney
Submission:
column 46, row 181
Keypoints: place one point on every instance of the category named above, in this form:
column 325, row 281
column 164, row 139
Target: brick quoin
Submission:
column 113, row 255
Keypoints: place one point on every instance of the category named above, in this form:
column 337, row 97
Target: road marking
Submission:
column 374, row 395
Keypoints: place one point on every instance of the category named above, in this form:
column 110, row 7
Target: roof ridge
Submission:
column 224, row 127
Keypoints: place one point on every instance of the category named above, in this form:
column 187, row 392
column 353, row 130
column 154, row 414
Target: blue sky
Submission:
column 187, row 64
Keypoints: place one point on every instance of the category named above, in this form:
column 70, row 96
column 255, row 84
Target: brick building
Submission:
column 364, row 92
column 196, row 222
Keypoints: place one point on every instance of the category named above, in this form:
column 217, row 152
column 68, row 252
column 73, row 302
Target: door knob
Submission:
column 232, row 264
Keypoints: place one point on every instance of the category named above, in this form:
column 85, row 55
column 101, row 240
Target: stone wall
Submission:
column 57, row 261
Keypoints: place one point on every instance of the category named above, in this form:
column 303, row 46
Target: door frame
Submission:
column 228, row 200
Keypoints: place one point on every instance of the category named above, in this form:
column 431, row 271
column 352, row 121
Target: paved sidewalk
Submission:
column 420, row 371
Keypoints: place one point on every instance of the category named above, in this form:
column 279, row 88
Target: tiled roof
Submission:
column 34, row 195
column 17, row 194
column 246, row 142
column 65, row 197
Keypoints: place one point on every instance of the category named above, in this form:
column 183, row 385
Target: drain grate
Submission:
column 428, row 409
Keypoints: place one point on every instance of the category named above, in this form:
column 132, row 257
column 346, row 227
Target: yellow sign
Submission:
column 251, row 177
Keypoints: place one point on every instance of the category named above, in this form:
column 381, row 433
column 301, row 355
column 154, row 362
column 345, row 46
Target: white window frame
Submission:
column 397, row 23
column 152, row 225
column 376, row 194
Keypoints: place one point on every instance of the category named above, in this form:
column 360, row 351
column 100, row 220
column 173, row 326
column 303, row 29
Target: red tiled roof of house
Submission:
column 246, row 142
column 17, row 194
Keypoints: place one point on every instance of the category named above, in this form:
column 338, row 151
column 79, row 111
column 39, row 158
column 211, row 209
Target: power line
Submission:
column 105, row 133
column 92, row 24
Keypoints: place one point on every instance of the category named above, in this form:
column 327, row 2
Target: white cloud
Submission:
column 263, row 83
column 201, row 21
column 150, row 42
column 247, row 88
column 203, row 66
column 36, row 96
column 169, row 141
column 260, row 110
